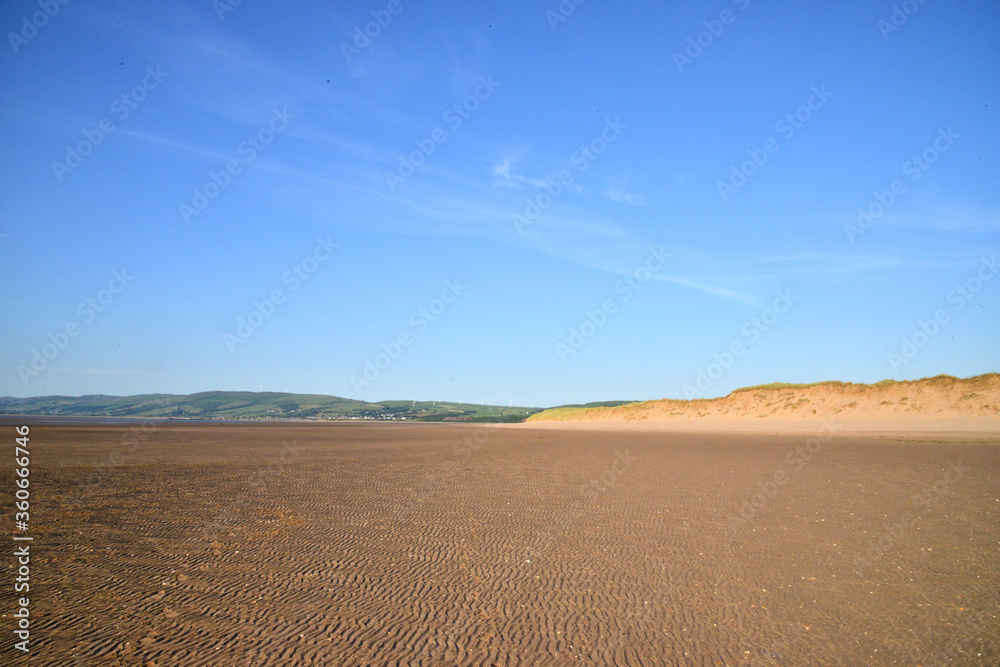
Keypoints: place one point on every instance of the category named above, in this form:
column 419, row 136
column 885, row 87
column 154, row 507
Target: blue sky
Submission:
column 587, row 153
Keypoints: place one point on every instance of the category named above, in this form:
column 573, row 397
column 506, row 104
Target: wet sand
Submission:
column 425, row 544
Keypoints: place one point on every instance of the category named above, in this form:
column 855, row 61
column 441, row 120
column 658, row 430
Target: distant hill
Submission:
column 256, row 406
column 596, row 404
column 938, row 397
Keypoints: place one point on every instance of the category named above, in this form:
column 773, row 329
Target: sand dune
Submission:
column 941, row 403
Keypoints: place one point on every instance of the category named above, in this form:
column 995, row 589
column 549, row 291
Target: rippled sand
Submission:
column 359, row 544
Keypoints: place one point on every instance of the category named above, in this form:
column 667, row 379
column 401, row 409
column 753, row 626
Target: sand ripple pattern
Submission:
column 396, row 545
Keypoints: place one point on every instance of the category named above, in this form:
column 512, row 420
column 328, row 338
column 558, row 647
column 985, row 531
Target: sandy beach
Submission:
column 369, row 544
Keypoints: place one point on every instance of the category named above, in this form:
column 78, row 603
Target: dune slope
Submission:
column 943, row 398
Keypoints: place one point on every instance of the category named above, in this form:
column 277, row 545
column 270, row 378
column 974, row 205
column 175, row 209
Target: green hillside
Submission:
column 256, row 406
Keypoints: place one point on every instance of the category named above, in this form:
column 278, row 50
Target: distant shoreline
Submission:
column 84, row 420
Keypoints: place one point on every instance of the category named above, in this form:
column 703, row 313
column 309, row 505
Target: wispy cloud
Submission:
column 953, row 215
column 173, row 145
column 932, row 213
column 506, row 177
column 110, row 372
column 501, row 171
column 623, row 197
column 707, row 288
column 821, row 264
column 621, row 194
